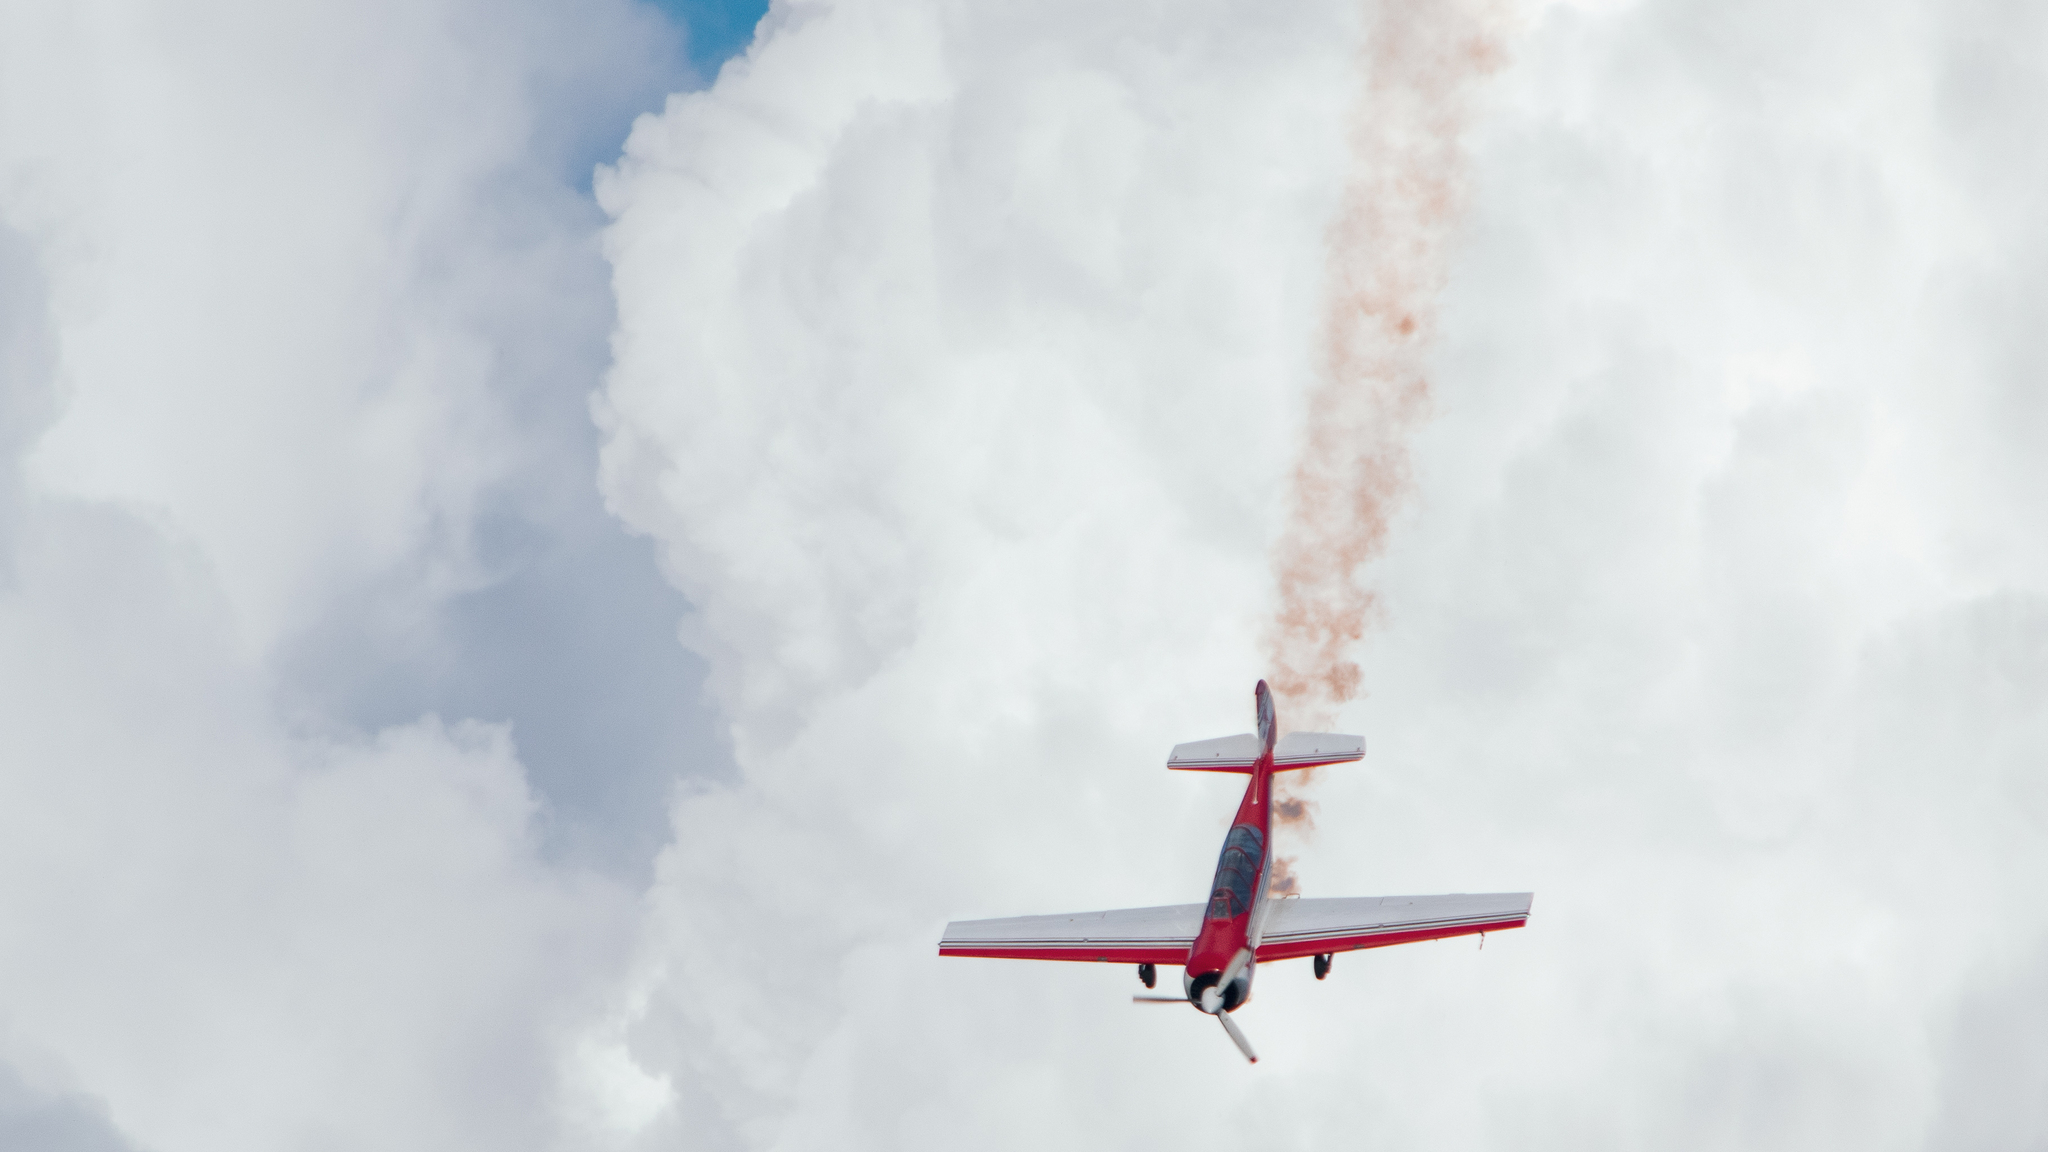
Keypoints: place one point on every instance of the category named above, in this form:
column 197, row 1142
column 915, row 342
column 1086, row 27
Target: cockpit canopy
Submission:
column 1244, row 852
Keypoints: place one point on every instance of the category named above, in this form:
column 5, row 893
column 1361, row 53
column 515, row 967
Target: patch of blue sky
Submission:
column 685, row 54
column 714, row 30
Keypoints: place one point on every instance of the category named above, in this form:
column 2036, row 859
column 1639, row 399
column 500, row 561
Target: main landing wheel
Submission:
column 1322, row 966
column 1148, row 974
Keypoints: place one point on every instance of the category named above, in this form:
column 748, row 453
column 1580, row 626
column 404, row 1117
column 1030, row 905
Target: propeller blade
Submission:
column 1236, row 965
column 1237, row 1037
column 1159, row 999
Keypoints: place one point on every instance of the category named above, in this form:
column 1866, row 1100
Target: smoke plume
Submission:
column 1385, row 267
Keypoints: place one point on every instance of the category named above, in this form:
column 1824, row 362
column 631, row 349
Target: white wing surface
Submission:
column 1223, row 754
column 1308, row 927
column 1238, row 753
column 1309, row 749
column 1119, row 936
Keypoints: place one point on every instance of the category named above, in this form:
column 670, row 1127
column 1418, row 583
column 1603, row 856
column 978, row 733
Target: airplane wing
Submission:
column 1119, row 936
column 1297, row 927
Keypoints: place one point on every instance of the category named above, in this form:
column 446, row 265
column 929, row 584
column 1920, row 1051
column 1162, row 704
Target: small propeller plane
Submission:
column 1218, row 944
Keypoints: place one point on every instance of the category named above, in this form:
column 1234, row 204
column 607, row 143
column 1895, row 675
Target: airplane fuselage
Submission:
column 1223, row 950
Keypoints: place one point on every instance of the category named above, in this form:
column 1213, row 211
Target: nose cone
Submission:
column 1212, row 1000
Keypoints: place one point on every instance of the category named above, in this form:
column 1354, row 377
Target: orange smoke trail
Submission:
column 1387, row 262
column 1386, row 265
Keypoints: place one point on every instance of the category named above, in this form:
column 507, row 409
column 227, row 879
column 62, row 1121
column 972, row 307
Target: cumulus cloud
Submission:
column 299, row 313
column 961, row 358
column 328, row 304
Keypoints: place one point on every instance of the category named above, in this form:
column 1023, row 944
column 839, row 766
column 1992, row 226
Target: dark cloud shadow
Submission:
column 1994, row 1060
column 34, row 1121
column 562, row 624
column 575, row 646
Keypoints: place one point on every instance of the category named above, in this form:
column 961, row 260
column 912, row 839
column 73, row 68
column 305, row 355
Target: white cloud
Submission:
column 960, row 360
column 290, row 246
column 293, row 298
column 238, row 938
column 325, row 302
column 958, row 372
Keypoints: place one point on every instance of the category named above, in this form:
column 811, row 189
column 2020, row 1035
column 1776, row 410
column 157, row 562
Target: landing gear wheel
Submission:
column 1148, row 974
column 1322, row 966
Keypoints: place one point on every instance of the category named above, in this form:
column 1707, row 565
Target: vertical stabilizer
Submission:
column 1269, row 721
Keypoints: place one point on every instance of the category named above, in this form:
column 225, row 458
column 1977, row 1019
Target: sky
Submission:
column 538, row 569
column 714, row 31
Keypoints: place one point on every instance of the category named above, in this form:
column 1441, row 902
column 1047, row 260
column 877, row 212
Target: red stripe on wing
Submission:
column 1177, row 954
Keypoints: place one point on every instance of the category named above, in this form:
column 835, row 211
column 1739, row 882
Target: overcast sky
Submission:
column 537, row 572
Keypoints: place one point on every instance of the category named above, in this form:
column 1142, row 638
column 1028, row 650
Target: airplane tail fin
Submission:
column 1241, row 753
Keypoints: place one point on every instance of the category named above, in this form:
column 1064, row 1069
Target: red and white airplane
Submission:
column 1219, row 943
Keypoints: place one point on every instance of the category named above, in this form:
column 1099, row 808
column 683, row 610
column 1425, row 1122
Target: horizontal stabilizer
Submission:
column 1223, row 754
column 1309, row 749
column 1239, row 753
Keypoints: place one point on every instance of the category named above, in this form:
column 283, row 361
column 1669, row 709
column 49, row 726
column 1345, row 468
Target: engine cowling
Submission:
column 1230, row 997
